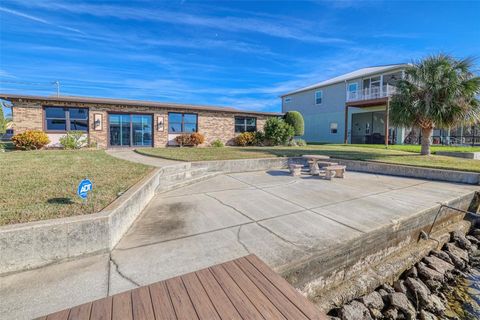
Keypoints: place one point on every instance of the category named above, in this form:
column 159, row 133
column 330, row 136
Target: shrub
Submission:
column 193, row 139
column 292, row 143
column 183, row 140
column 295, row 119
column 278, row 132
column 73, row 140
column 300, row 142
column 197, row 138
column 217, row 143
column 259, row 138
column 245, row 139
column 30, row 140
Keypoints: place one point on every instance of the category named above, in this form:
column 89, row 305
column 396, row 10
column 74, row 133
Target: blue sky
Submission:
column 241, row 54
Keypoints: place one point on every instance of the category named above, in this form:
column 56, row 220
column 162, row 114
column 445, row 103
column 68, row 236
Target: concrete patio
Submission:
column 282, row 219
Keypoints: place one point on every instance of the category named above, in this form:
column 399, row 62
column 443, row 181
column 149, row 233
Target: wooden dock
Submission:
column 245, row 288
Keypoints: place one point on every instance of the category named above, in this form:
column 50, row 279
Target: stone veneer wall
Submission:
column 214, row 125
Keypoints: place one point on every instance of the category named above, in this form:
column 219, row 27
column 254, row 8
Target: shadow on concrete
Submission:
column 277, row 173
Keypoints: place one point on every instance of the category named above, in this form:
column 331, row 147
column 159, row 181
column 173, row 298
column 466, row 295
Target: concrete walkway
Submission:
column 131, row 155
column 279, row 218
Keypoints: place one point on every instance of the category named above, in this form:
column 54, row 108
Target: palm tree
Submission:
column 3, row 121
column 438, row 91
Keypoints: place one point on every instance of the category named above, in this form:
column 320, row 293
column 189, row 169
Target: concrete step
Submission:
column 173, row 184
column 181, row 174
column 172, row 169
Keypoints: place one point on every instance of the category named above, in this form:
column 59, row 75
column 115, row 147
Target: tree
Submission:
column 438, row 91
column 295, row 119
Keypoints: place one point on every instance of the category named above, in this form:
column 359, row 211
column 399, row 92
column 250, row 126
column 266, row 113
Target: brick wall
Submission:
column 27, row 116
column 221, row 125
column 214, row 125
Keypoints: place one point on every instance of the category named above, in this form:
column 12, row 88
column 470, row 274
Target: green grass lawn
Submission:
column 416, row 148
column 352, row 152
column 38, row 185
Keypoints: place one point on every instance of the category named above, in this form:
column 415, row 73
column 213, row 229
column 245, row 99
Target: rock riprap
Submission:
column 427, row 290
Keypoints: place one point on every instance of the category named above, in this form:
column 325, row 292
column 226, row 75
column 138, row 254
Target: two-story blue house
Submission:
column 351, row 108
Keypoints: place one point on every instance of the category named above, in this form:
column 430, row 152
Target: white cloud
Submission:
column 38, row 19
column 295, row 29
column 5, row 74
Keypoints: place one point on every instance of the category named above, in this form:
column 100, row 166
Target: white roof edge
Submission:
column 349, row 76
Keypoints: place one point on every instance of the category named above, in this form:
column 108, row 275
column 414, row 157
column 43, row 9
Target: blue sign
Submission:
column 84, row 187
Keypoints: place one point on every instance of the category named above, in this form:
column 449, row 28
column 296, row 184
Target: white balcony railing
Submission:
column 371, row 93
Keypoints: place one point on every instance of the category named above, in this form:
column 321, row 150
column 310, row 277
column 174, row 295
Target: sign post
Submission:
column 84, row 188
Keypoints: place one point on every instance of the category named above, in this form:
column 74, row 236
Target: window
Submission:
column 182, row 122
column 245, row 124
column 333, row 127
column 352, row 87
column 287, row 99
column 78, row 119
column 318, row 97
column 352, row 90
column 66, row 119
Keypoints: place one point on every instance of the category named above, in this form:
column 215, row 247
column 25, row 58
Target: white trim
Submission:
column 321, row 97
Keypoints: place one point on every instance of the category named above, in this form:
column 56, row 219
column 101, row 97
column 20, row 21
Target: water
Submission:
column 464, row 297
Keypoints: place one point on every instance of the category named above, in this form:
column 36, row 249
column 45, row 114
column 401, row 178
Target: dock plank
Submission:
column 122, row 306
column 263, row 305
column 200, row 299
column 162, row 304
column 241, row 302
column 307, row 307
column 244, row 288
column 101, row 309
column 181, row 301
column 289, row 310
column 81, row 312
column 222, row 303
column 142, row 304
column 60, row 315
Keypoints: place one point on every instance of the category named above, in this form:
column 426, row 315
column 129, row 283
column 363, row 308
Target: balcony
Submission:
column 371, row 93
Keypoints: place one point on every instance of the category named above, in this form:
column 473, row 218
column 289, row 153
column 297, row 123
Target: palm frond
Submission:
column 437, row 91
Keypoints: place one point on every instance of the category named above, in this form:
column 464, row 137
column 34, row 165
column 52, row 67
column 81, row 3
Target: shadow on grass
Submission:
column 60, row 201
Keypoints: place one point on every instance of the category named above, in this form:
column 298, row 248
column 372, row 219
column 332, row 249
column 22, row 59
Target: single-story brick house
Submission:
column 129, row 123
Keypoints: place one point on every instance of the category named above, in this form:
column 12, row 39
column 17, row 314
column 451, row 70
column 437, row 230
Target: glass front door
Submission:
column 127, row 130
column 142, row 130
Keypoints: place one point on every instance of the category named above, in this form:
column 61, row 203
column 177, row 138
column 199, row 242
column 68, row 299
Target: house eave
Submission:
column 399, row 67
column 126, row 102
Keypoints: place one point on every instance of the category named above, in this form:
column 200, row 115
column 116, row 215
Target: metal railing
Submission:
column 371, row 93
column 457, row 140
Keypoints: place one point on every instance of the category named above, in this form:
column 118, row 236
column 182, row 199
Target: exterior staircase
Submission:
column 182, row 174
